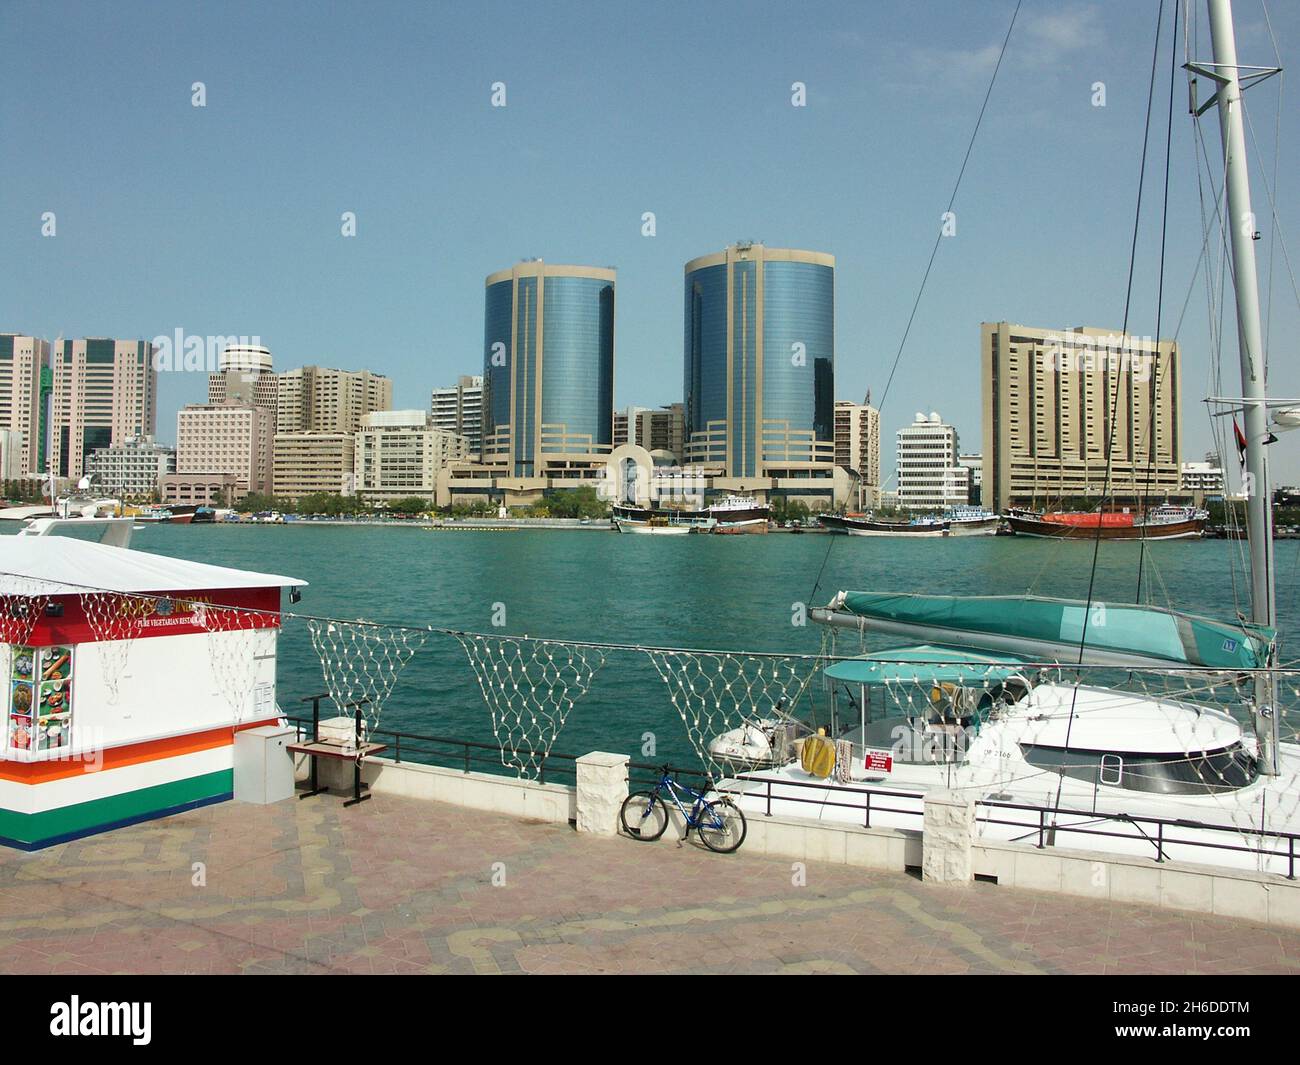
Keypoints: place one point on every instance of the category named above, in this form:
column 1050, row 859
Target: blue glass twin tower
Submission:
column 759, row 405
column 759, row 366
column 548, row 369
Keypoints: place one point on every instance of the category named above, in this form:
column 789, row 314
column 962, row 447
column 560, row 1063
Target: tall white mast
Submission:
column 1228, row 76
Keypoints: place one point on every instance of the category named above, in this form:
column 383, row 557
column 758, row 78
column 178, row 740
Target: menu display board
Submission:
column 40, row 698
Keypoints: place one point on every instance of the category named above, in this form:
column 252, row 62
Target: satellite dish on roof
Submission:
column 83, row 485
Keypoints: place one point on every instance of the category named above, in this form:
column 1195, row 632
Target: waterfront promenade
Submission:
column 407, row 886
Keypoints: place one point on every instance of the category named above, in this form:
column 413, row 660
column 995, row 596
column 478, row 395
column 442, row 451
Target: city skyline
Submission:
column 233, row 225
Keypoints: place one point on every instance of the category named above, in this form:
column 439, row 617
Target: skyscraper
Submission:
column 759, row 368
column 105, row 392
column 22, row 359
column 548, row 368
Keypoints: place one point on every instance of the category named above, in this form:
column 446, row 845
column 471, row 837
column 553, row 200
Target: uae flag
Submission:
column 1241, row 440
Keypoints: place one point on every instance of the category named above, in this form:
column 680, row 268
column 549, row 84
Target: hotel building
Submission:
column 1076, row 413
column 759, row 371
column 548, row 380
column 216, row 440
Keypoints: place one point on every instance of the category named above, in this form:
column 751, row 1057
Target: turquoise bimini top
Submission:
column 928, row 663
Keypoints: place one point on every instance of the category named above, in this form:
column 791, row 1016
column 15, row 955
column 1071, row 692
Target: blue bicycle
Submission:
column 719, row 823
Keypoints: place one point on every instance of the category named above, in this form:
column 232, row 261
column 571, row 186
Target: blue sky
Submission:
column 226, row 219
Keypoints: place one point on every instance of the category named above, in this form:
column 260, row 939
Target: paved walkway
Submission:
column 403, row 886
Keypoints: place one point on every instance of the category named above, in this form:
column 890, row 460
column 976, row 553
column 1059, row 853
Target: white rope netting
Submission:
column 115, row 620
column 530, row 686
column 20, row 609
column 360, row 663
column 737, row 708
column 236, row 638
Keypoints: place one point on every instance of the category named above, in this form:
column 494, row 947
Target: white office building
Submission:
column 132, row 469
column 399, row 453
column 930, row 475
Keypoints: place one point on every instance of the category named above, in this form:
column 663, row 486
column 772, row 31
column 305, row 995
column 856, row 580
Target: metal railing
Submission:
column 1159, row 835
column 446, row 751
column 868, row 799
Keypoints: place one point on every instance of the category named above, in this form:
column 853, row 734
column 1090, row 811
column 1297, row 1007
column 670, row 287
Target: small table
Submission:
column 341, row 749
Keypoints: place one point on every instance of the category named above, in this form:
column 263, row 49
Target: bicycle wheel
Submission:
column 722, row 826
column 644, row 816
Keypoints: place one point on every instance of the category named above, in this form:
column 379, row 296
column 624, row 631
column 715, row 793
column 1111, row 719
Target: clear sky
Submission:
column 225, row 219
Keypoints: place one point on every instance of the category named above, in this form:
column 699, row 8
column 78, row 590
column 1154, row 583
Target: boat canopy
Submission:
column 1050, row 630
column 928, row 664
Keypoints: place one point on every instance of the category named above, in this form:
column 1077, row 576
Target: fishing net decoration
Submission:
column 20, row 609
column 115, row 620
column 360, row 663
column 530, row 687
column 716, row 693
column 235, row 638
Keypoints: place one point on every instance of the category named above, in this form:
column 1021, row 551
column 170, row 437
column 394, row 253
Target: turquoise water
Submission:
column 733, row 593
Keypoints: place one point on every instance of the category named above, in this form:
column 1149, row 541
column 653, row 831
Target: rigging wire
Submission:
column 1154, row 395
column 934, row 251
column 1110, row 437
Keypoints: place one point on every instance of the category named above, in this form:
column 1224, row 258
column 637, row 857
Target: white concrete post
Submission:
column 949, row 832
column 602, row 787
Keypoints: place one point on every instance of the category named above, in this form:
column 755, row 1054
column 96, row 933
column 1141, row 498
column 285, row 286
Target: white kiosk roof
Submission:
column 61, row 565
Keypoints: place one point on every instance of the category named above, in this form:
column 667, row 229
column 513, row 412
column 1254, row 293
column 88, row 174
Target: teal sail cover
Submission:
column 1051, row 629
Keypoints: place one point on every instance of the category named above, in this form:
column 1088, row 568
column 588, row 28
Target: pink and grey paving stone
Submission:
column 406, row 886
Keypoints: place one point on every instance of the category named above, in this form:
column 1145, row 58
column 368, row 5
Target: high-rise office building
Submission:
column 243, row 375
column 319, row 399
column 22, row 359
column 857, row 446
column 104, row 392
column 759, row 368
column 1076, row 413
column 548, row 368
column 930, row 475
column 459, row 409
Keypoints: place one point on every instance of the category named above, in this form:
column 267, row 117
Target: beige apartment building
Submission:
column 306, row 463
column 318, row 399
column 399, row 453
column 1056, row 401
column 215, row 439
column 21, row 360
column 104, row 392
column 857, row 447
